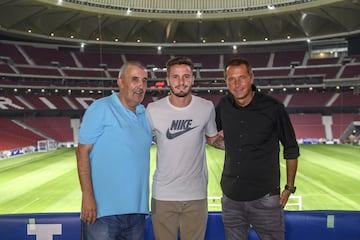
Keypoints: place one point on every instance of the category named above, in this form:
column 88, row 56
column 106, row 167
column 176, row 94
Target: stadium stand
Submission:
column 74, row 101
column 44, row 86
column 149, row 60
column 351, row 71
column 51, row 80
column 56, row 61
column 87, row 73
column 38, row 70
column 11, row 102
column 272, row 72
column 5, row 68
column 11, row 53
column 347, row 99
column 57, row 128
column 287, row 58
column 329, row 71
column 48, row 56
column 322, row 61
column 217, row 74
column 310, row 99
column 257, row 59
column 13, row 136
column 98, row 59
column 281, row 97
column 308, row 126
column 342, row 121
column 205, row 61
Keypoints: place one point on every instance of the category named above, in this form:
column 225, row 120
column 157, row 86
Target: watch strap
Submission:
column 291, row 189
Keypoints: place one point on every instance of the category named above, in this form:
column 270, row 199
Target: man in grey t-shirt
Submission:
column 181, row 123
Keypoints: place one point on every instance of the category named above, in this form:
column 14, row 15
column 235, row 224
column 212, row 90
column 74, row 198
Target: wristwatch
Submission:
column 290, row 188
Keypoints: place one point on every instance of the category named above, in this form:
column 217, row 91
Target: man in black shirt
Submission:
column 253, row 125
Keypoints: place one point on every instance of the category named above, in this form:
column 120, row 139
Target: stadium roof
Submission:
column 174, row 23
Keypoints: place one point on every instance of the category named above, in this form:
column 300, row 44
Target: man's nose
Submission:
column 142, row 83
column 238, row 81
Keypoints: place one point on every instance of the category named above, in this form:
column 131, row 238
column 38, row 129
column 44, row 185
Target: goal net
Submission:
column 46, row 145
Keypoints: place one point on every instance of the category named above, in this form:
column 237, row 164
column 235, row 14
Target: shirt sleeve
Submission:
column 150, row 119
column 211, row 129
column 287, row 134
column 218, row 117
column 91, row 126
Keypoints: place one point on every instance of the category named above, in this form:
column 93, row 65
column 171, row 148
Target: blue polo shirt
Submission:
column 120, row 157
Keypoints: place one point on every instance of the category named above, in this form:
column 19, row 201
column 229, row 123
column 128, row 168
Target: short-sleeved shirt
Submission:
column 181, row 170
column 120, row 156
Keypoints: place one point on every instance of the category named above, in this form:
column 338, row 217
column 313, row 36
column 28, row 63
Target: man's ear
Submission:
column 252, row 78
column 119, row 82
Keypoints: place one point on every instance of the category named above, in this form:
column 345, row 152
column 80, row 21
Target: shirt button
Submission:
column 240, row 136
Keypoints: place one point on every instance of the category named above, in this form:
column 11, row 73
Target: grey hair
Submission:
column 125, row 66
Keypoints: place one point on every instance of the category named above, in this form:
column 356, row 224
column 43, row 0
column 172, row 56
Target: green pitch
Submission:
column 328, row 179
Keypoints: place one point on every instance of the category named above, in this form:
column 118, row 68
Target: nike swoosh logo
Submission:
column 170, row 135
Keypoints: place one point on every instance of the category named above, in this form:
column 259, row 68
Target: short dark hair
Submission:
column 238, row 62
column 179, row 60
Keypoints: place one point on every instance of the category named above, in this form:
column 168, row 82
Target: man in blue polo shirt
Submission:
column 113, row 158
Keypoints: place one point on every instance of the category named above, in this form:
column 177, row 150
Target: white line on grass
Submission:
column 331, row 192
column 26, row 205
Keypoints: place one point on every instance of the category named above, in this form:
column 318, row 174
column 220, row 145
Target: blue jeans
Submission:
column 116, row 227
column 265, row 215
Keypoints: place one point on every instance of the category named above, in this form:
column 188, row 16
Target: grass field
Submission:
column 328, row 179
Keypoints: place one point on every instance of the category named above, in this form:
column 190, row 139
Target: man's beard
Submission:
column 180, row 94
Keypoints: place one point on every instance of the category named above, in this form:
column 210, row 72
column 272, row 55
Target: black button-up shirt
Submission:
column 252, row 135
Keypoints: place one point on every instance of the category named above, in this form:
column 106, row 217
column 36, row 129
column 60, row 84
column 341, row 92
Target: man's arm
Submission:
column 216, row 141
column 88, row 205
column 291, row 168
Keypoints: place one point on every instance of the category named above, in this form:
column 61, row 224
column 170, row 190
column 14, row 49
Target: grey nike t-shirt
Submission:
column 181, row 170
